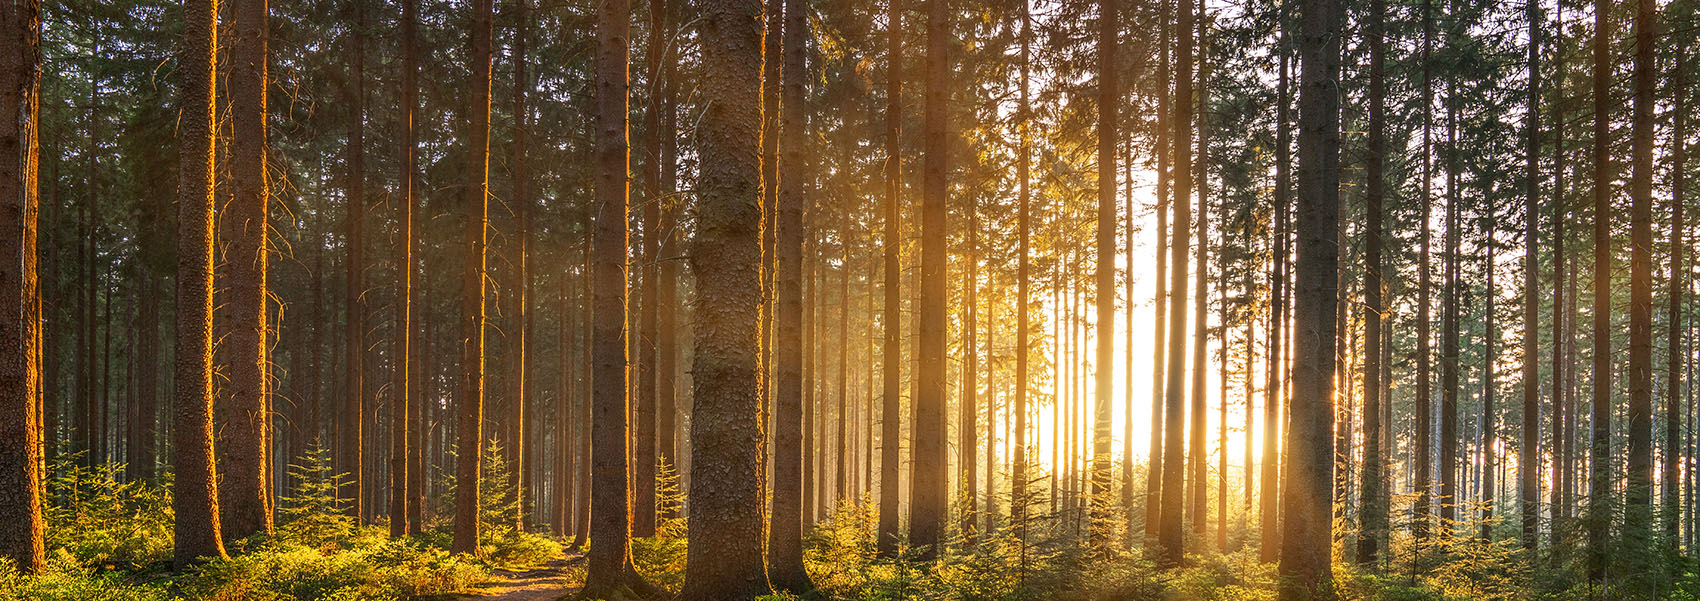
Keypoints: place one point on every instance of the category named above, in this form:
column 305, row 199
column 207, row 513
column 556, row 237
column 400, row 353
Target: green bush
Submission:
column 101, row 521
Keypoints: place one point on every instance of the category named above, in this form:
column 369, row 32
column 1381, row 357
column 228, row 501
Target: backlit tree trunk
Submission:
column 1109, row 98
column 469, row 401
column 929, row 485
column 21, row 523
column 1171, row 530
column 891, row 357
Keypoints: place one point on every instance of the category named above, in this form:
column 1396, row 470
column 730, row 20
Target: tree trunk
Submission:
column 1109, row 99
column 1373, row 519
column 246, row 499
column 725, row 559
column 1424, row 485
column 469, row 463
column 1638, row 502
column 21, row 523
column 785, row 531
column 609, row 561
column 519, row 438
column 1154, row 455
column 1269, row 548
column 403, row 514
column 1449, row 497
column 1024, row 219
column 1198, row 485
column 1306, row 572
column 1673, row 366
column 354, row 336
column 643, row 455
column 967, row 426
column 194, row 499
column 667, row 290
column 1171, row 531
column 929, row 484
column 1600, row 483
column 1529, row 454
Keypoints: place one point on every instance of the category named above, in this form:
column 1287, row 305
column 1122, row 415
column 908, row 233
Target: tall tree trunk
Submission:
column 354, row 336
column 519, row 442
column 1306, row 572
column 929, row 492
column 1638, row 502
column 1529, row 454
column 1424, row 485
column 1600, row 501
column 667, row 290
column 565, row 417
column 1490, row 421
column 21, row 523
column 1109, row 101
column 1671, row 502
column 246, row 499
column 1270, row 507
column 1449, row 497
column 967, row 426
column 609, row 561
column 726, row 433
column 785, row 530
column 1373, row 518
column 1154, row 455
column 1171, row 532
column 1561, row 340
column 403, row 514
column 469, row 403
column 1024, row 226
column 891, row 350
column 1198, row 448
column 194, row 499
column 643, row 455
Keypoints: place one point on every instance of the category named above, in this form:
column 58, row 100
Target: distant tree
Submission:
column 1528, row 456
column 1600, row 484
column 353, row 422
column 404, row 515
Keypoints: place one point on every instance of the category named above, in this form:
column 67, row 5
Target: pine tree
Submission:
column 469, row 402
column 21, row 524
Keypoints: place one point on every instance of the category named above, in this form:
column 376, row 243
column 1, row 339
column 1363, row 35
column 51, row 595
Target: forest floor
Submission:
column 552, row 581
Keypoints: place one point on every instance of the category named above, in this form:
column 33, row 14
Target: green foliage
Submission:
column 314, row 515
column 65, row 579
column 500, row 541
column 661, row 559
column 376, row 567
column 102, row 521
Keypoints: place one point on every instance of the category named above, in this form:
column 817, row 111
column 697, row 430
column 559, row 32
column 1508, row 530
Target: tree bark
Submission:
column 1306, row 572
column 1638, row 501
column 469, row 463
column 928, row 486
column 354, row 298
column 1171, row 531
column 785, row 530
column 1373, row 484
column 1269, row 508
column 21, row 524
column 246, row 499
column 1529, row 454
column 194, row 499
column 1024, row 221
column 725, row 521
column 1673, row 508
column 403, row 514
column 519, row 442
column 1109, row 99
column 1600, row 483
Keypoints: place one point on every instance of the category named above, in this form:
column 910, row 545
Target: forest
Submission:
column 934, row 300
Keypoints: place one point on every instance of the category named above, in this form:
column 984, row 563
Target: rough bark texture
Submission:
column 1109, row 99
column 1373, row 483
column 1306, row 570
column 404, row 518
column 929, row 484
column 643, row 430
column 891, row 351
column 1600, row 501
column 246, row 494
column 1529, row 453
column 609, row 560
column 194, row 499
column 1171, row 530
column 353, row 422
column 21, row 524
column 469, row 401
column 1638, row 501
column 725, row 521
column 1673, row 508
column 785, row 531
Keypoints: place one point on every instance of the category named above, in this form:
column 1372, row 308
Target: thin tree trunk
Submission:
column 354, row 337
column 891, row 317
column 1154, row 455
column 785, row 530
column 967, row 426
column 1198, row 453
column 644, row 454
column 518, row 439
column 1529, row 454
column 1449, row 335
column 667, row 288
column 404, row 518
column 1024, row 220
column 1424, row 485
column 1638, row 501
column 1270, row 546
column 1678, row 289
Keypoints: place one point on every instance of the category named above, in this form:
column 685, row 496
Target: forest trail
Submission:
column 554, row 580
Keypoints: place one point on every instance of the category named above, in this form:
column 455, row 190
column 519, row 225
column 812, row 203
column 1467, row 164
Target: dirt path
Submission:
column 552, row 581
